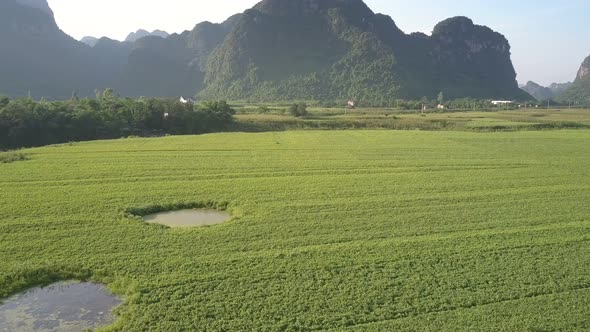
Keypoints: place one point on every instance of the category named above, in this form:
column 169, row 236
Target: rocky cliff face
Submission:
column 472, row 60
column 584, row 71
column 579, row 92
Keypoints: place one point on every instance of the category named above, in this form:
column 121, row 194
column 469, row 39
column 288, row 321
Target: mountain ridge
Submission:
column 339, row 49
column 42, row 5
column 89, row 40
column 542, row 93
column 141, row 33
column 283, row 49
column 579, row 92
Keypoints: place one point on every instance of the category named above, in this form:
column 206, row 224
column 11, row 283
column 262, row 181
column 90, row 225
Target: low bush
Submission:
column 11, row 157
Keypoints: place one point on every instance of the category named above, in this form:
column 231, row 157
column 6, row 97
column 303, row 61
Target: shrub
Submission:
column 263, row 110
column 298, row 110
column 11, row 157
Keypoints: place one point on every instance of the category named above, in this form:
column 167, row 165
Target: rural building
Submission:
column 501, row 102
column 186, row 100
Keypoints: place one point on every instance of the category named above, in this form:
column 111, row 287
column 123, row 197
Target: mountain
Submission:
column 559, row 88
column 37, row 4
column 38, row 57
column 542, row 93
column 135, row 36
column 579, row 92
column 278, row 50
column 174, row 65
column 339, row 49
column 131, row 38
column 89, row 40
column 539, row 92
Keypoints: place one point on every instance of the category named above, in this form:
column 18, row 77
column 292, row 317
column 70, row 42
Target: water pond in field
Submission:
column 63, row 306
column 188, row 218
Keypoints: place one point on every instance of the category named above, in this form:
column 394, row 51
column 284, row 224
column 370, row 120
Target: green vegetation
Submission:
column 26, row 123
column 579, row 92
column 278, row 50
column 250, row 120
column 337, row 50
column 357, row 230
column 11, row 157
column 298, row 110
column 544, row 94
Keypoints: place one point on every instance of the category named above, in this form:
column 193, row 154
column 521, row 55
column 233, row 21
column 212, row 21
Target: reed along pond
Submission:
column 188, row 218
column 63, row 306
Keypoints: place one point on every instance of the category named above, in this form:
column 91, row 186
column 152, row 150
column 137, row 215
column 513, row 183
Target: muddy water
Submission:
column 188, row 218
column 63, row 306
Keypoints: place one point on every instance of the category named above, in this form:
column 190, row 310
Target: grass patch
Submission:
column 362, row 119
column 366, row 230
column 12, row 157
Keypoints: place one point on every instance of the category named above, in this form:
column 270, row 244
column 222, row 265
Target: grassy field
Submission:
column 249, row 119
column 331, row 230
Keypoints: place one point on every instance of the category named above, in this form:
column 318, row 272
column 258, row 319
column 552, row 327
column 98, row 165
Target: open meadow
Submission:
column 259, row 118
column 330, row 231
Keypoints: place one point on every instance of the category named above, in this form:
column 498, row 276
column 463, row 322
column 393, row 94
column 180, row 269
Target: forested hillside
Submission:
column 579, row 92
column 278, row 50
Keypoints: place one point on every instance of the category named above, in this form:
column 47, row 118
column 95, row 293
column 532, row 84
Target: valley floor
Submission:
column 250, row 119
column 331, row 230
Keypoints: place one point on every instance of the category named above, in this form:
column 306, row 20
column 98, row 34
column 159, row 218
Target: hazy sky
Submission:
column 549, row 38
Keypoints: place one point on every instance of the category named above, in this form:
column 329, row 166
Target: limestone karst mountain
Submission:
column 278, row 50
column 135, row 36
column 542, row 93
column 579, row 92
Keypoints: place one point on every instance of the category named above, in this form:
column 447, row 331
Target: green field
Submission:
column 249, row 119
column 332, row 230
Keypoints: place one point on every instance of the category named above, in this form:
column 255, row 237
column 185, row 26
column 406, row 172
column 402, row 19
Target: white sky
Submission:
column 117, row 18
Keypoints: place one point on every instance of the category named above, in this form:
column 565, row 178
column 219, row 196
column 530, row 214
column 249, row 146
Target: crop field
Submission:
column 331, row 230
column 249, row 119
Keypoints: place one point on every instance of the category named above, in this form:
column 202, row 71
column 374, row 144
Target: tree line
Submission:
column 27, row 123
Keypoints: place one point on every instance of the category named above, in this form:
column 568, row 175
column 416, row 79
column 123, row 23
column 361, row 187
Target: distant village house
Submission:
column 186, row 100
column 501, row 102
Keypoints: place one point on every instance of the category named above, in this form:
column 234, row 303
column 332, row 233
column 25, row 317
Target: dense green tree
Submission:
column 4, row 101
column 441, row 98
column 25, row 123
column 298, row 110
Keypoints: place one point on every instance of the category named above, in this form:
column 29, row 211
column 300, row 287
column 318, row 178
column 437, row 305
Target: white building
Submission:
column 186, row 100
column 501, row 102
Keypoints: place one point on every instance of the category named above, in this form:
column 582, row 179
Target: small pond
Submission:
column 188, row 218
column 64, row 306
